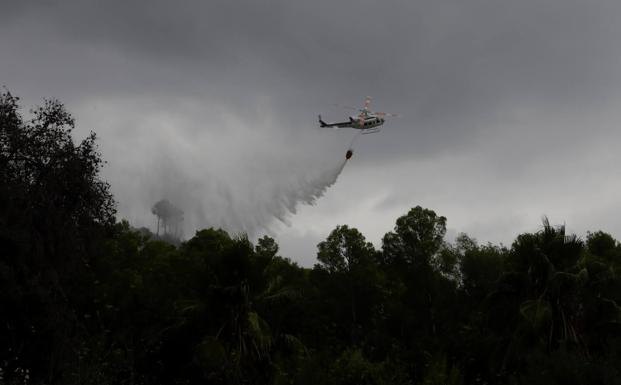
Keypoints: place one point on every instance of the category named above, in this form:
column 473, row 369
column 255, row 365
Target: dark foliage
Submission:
column 53, row 211
column 85, row 300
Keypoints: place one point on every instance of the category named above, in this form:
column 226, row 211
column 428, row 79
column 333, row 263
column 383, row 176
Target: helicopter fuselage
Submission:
column 357, row 122
column 366, row 123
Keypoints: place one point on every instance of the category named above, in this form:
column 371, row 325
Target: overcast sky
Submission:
column 509, row 109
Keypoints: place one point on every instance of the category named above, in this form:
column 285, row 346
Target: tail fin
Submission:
column 322, row 123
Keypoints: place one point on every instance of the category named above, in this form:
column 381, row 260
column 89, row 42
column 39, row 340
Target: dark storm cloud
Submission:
column 505, row 86
column 434, row 61
column 444, row 65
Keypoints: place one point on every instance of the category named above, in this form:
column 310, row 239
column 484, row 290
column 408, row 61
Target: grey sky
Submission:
column 509, row 108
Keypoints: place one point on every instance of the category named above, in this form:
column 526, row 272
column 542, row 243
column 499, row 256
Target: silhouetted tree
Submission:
column 54, row 209
column 169, row 217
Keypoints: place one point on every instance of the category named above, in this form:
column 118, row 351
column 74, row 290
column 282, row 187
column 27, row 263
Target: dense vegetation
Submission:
column 85, row 300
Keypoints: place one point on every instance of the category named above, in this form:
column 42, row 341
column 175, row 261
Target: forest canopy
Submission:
column 86, row 299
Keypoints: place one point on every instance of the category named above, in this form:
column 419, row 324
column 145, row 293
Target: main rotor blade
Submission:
column 384, row 114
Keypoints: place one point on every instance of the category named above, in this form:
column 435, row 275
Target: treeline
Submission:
column 85, row 300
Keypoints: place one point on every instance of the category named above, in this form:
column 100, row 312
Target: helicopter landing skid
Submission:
column 370, row 131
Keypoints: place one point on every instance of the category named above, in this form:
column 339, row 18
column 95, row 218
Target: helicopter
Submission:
column 367, row 120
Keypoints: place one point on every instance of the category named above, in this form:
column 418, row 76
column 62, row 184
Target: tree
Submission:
column 348, row 272
column 54, row 209
column 480, row 266
column 417, row 237
column 265, row 251
column 266, row 248
column 604, row 246
column 420, row 292
column 169, row 217
column 344, row 249
column 51, row 186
